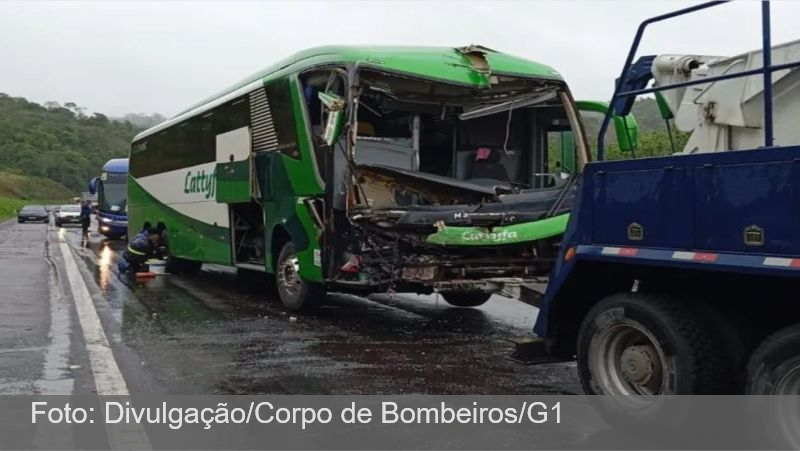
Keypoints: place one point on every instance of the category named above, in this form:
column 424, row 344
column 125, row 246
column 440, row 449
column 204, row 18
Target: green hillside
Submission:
column 17, row 190
column 653, row 137
column 60, row 142
column 27, row 187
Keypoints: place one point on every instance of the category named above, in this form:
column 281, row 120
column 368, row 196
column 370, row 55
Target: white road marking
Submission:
column 107, row 377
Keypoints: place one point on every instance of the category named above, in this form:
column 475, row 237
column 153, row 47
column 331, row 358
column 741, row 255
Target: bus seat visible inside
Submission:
column 487, row 164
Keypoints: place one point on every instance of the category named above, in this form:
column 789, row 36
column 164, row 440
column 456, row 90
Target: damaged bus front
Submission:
column 367, row 169
column 436, row 185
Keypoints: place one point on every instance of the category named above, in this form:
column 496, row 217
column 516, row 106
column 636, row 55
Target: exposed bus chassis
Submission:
column 391, row 247
column 398, row 256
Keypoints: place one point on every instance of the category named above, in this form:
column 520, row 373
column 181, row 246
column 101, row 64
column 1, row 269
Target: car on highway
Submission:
column 33, row 213
column 68, row 214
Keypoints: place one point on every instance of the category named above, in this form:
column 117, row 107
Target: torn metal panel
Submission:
column 476, row 55
column 389, row 187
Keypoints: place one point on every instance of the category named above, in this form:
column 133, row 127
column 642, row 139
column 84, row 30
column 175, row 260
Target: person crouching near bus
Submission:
column 145, row 245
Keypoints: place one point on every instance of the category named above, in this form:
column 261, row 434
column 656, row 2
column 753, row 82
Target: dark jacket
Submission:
column 86, row 211
column 141, row 246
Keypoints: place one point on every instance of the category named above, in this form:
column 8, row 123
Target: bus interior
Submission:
column 497, row 139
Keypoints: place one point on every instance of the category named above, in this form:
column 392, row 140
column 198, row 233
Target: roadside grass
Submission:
column 18, row 190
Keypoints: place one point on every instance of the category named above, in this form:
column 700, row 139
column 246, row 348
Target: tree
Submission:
column 62, row 143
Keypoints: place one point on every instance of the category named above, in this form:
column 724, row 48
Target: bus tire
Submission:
column 644, row 344
column 295, row 293
column 466, row 298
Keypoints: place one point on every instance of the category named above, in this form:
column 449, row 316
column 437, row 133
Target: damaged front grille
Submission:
column 391, row 253
column 420, row 232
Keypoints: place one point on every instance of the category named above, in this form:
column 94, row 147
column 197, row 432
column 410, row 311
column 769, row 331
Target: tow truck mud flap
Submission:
column 532, row 351
column 532, row 293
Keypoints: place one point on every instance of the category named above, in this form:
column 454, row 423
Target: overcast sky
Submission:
column 125, row 57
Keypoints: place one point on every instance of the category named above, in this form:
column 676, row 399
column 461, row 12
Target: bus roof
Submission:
column 116, row 165
column 448, row 64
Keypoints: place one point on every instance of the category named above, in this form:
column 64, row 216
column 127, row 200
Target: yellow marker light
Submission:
column 570, row 254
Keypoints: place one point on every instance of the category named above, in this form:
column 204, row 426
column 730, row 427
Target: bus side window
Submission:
column 281, row 106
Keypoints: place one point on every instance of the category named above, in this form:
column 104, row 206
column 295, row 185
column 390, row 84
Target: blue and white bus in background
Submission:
column 112, row 198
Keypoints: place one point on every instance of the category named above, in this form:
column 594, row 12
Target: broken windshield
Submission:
column 499, row 138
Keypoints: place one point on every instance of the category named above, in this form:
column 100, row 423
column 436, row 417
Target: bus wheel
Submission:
column 774, row 369
column 640, row 346
column 294, row 292
column 466, row 299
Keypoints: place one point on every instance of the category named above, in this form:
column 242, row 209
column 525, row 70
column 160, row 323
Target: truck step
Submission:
column 532, row 351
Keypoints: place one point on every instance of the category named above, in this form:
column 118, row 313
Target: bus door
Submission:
column 234, row 166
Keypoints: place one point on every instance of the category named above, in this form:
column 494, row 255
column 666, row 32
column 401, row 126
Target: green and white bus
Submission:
column 359, row 169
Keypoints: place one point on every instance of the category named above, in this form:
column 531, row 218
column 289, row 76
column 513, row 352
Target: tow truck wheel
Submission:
column 466, row 299
column 641, row 346
column 295, row 293
column 774, row 369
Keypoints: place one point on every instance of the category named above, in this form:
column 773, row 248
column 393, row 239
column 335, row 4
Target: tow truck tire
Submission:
column 466, row 299
column 774, row 369
column 639, row 345
column 295, row 293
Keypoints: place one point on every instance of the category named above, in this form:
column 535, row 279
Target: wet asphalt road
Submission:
column 220, row 332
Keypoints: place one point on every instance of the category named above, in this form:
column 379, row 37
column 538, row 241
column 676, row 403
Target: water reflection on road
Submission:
column 223, row 332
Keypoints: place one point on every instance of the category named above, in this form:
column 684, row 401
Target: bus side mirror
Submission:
column 627, row 131
column 93, row 185
column 333, row 126
column 625, row 127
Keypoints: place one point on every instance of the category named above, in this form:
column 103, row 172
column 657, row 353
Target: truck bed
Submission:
column 743, row 202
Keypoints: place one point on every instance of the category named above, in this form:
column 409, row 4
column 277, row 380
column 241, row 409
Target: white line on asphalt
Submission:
column 107, row 377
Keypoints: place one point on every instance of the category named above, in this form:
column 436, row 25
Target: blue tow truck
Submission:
column 680, row 274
